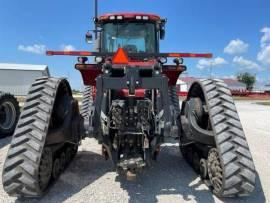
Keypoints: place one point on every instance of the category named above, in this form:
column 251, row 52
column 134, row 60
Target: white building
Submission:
column 17, row 78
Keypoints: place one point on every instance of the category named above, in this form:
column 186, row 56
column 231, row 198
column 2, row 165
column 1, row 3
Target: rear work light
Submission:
column 98, row 59
column 112, row 17
column 138, row 17
column 119, row 17
column 145, row 17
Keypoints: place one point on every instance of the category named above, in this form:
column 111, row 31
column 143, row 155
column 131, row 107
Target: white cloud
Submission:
column 266, row 36
column 206, row 63
column 264, row 55
column 245, row 63
column 36, row 48
column 68, row 47
column 236, row 47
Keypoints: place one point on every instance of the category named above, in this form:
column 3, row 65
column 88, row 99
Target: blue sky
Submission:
column 237, row 32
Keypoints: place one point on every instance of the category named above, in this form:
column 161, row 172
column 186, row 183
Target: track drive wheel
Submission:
column 9, row 114
column 47, row 128
column 225, row 159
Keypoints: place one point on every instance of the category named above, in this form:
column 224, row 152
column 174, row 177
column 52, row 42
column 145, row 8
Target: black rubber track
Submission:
column 20, row 173
column 238, row 168
column 6, row 97
column 87, row 102
column 174, row 99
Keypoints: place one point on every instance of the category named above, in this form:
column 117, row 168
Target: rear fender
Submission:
column 89, row 73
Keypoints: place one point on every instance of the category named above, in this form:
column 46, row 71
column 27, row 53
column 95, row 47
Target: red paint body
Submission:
column 129, row 16
column 91, row 71
column 138, row 93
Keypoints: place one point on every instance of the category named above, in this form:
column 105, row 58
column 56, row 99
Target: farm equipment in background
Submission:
column 9, row 114
column 131, row 107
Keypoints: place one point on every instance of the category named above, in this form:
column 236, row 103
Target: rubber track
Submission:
column 86, row 107
column 86, row 102
column 20, row 173
column 174, row 99
column 238, row 168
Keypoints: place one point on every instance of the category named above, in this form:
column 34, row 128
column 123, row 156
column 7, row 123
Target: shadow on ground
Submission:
column 4, row 141
column 170, row 175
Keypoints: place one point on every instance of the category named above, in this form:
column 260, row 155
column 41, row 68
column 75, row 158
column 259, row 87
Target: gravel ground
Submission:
column 90, row 178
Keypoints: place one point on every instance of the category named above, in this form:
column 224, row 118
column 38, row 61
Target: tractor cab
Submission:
column 135, row 36
column 134, row 32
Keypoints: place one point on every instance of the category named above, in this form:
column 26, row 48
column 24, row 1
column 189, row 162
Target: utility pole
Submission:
column 96, row 15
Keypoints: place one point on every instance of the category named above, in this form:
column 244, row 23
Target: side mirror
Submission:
column 89, row 38
column 162, row 33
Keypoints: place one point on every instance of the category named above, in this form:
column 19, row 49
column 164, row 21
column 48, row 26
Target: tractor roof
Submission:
column 129, row 16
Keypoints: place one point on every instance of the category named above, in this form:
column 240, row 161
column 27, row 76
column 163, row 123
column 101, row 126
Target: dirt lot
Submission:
column 91, row 179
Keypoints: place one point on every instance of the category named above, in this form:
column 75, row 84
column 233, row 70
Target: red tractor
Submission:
column 131, row 107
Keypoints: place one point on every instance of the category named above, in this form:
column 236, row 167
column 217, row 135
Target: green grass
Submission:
column 264, row 99
column 241, row 98
column 264, row 103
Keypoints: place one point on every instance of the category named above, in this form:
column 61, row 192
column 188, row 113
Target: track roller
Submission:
column 211, row 127
column 56, row 168
column 48, row 128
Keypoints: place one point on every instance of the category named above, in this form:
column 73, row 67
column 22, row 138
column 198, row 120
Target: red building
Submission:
column 184, row 83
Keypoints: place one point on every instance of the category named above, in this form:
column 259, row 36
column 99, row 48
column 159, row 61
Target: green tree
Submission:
column 248, row 79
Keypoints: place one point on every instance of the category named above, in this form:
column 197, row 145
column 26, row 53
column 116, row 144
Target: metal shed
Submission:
column 17, row 78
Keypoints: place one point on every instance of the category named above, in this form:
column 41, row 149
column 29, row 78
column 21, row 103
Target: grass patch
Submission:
column 264, row 103
column 241, row 98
